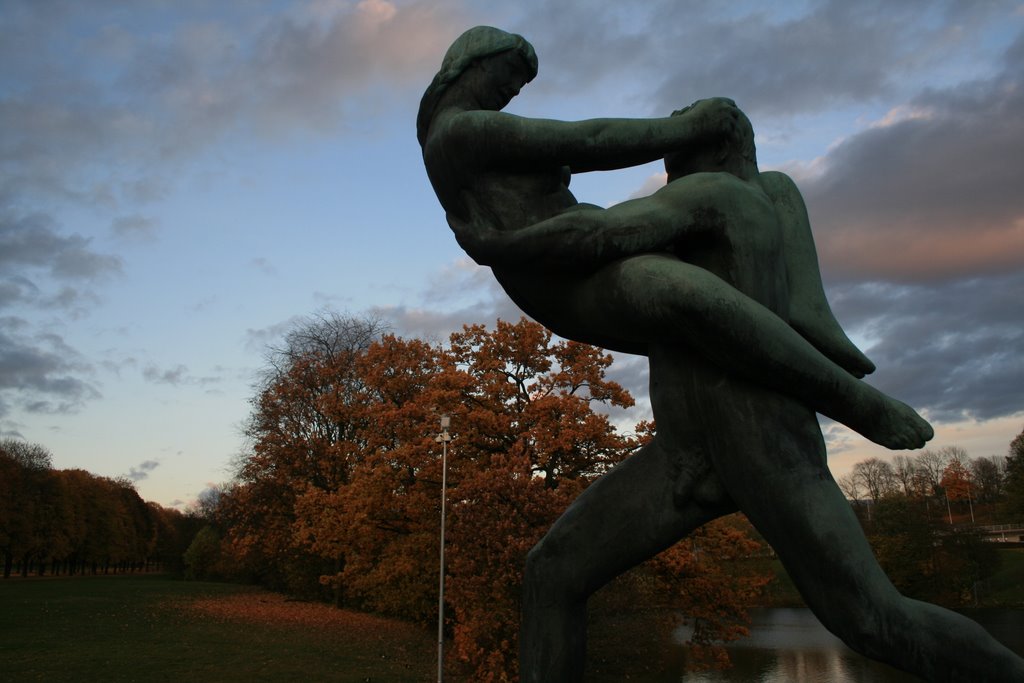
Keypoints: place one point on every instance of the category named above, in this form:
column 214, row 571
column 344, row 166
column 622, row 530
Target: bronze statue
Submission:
column 715, row 279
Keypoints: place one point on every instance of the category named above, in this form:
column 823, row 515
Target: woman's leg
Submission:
column 654, row 298
column 809, row 312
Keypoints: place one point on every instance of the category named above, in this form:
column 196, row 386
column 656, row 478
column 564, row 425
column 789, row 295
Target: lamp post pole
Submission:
column 443, row 438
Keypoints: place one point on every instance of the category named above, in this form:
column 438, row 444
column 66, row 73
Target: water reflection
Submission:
column 791, row 646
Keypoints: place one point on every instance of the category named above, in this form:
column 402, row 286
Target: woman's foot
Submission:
column 886, row 421
column 825, row 333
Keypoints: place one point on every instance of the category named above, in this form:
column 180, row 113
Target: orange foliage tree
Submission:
column 957, row 481
column 305, row 435
column 341, row 488
column 75, row 522
column 708, row 578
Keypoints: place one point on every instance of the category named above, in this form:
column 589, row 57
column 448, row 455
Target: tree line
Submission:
column 74, row 522
column 338, row 494
column 948, row 474
column 923, row 515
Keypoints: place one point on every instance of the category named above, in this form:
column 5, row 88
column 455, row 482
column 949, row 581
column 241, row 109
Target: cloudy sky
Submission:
column 179, row 180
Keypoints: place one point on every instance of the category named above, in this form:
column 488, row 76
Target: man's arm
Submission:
column 586, row 237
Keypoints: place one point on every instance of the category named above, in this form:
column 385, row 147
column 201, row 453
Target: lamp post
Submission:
column 443, row 438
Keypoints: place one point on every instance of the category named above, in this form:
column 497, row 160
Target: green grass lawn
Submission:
column 128, row 628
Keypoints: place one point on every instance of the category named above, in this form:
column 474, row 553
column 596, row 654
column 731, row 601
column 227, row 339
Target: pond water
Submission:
column 791, row 646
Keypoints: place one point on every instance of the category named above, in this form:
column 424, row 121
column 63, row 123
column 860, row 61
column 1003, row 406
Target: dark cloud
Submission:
column 39, row 372
column 177, row 375
column 16, row 289
column 251, row 71
column 583, row 46
column 134, row 227
column 101, row 107
column 937, row 193
column 33, row 241
column 9, row 430
column 952, row 349
column 101, row 88
column 837, row 53
column 919, row 222
column 775, row 61
column 438, row 324
column 142, row 470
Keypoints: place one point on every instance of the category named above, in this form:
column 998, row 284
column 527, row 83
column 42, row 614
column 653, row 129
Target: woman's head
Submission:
column 475, row 44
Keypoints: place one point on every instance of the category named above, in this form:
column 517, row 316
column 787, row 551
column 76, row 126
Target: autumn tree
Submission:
column 987, row 474
column 31, row 456
column 875, row 477
column 202, row 558
column 957, row 481
column 906, row 474
column 24, row 469
column 38, row 525
column 536, row 442
column 174, row 532
column 304, row 433
column 708, row 578
column 930, row 465
column 341, row 486
column 72, row 521
column 526, row 442
column 379, row 527
column 1014, row 482
column 925, row 558
column 924, row 555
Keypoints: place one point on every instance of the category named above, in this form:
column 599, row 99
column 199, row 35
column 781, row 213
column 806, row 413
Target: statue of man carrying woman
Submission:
column 715, row 279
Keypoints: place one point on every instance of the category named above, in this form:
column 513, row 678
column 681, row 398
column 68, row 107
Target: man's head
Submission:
column 729, row 148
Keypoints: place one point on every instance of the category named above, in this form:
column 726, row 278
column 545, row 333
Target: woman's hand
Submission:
column 481, row 242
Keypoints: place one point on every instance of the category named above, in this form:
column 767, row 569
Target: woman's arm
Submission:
column 495, row 139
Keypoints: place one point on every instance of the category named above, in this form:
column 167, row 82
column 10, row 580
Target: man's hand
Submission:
column 711, row 117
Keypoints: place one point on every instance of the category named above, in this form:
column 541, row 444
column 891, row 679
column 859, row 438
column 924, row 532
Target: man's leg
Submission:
column 644, row 505
column 771, row 458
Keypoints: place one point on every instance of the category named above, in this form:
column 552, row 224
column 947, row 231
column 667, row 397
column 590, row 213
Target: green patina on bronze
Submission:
column 715, row 279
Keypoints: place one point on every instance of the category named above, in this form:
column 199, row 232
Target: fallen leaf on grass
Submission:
column 275, row 609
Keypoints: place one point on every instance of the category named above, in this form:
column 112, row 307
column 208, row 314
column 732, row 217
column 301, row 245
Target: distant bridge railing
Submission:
column 1002, row 533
